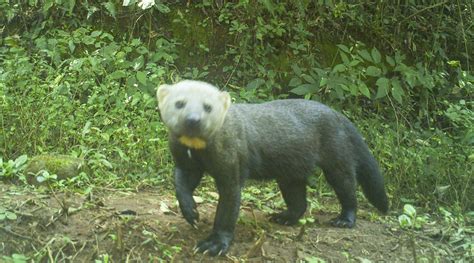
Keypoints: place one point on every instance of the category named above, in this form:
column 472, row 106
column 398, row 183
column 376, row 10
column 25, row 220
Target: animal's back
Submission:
column 287, row 136
column 291, row 119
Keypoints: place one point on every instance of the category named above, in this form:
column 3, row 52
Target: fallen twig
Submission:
column 15, row 234
column 257, row 246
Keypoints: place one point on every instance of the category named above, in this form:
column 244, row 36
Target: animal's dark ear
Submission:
column 161, row 94
column 225, row 98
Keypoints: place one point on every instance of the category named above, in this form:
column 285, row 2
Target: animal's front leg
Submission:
column 218, row 242
column 185, row 182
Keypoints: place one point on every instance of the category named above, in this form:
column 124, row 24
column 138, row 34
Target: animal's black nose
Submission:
column 193, row 120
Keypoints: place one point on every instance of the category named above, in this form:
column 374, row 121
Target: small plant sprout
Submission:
column 409, row 218
column 45, row 176
column 6, row 215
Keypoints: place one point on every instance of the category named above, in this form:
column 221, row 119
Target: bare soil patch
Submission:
column 132, row 226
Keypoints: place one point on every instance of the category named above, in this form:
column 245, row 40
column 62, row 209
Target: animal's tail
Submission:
column 369, row 177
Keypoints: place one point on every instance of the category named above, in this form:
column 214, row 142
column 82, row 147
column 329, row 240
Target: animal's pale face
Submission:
column 193, row 109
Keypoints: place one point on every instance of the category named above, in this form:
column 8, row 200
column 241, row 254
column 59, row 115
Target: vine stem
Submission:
column 463, row 36
column 424, row 9
column 4, row 134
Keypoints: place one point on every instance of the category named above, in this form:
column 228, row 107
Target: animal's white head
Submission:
column 192, row 110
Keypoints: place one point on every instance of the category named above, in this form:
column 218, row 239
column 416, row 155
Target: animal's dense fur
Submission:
column 284, row 139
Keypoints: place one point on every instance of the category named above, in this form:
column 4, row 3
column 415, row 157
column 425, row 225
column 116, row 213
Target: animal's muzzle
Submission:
column 192, row 122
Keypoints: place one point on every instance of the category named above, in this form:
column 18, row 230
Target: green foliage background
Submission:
column 79, row 77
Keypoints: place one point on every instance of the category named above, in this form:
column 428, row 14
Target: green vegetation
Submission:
column 78, row 78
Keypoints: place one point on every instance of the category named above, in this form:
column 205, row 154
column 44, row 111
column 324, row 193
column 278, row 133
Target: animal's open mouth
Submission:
column 191, row 132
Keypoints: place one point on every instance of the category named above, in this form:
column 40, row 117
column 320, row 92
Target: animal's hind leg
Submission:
column 344, row 184
column 294, row 194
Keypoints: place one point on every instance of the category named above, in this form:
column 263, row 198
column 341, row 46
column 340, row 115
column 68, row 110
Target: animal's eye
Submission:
column 207, row 108
column 180, row 104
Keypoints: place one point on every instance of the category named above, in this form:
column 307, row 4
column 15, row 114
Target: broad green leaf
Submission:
column 47, row 5
column 141, row 76
column 91, row 10
column 138, row 62
column 10, row 215
column 390, row 61
column 142, row 50
column 131, row 82
column 354, row 89
column 110, row 6
column 344, row 87
column 364, row 90
column 308, row 78
column 343, row 48
column 365, row 55
column 339, row 68
column 319, row 72
column 304, row 89
column 162, row 8
column 106, row 163
column 397, row 90
column 344, row 58
column 136, row 42
column 19, row 258
column 373, row 71
column 110, row 50
column 21, row 160
column 383, row 87
column 254, row 84
column 399, row 57
column 269, row 5
column 410, row 78
column 324, row 81
column 426, row 80
column 122, row 155
column 404, row 221
column 118, row 74
column 71, row 46
column 88, row 40
column 409, row 210
column 295, row 82
column 338, row 90
column 376, row 55
column 296, row 69
column 87, row 128
column 354, row 63
column 108, row 37
column 96, row 33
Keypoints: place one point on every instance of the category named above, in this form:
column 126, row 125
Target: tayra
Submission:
column 284, row 139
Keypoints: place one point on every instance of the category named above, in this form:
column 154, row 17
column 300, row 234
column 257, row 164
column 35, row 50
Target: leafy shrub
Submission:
column 79, row 78
column 12, row 168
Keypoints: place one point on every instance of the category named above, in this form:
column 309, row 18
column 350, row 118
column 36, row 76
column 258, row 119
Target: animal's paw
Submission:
column 215, row 244
column 284, row 218
column 344, row 221
column 191, row 214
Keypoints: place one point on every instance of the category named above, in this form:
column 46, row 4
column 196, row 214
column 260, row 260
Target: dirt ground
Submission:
column 129, row 226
